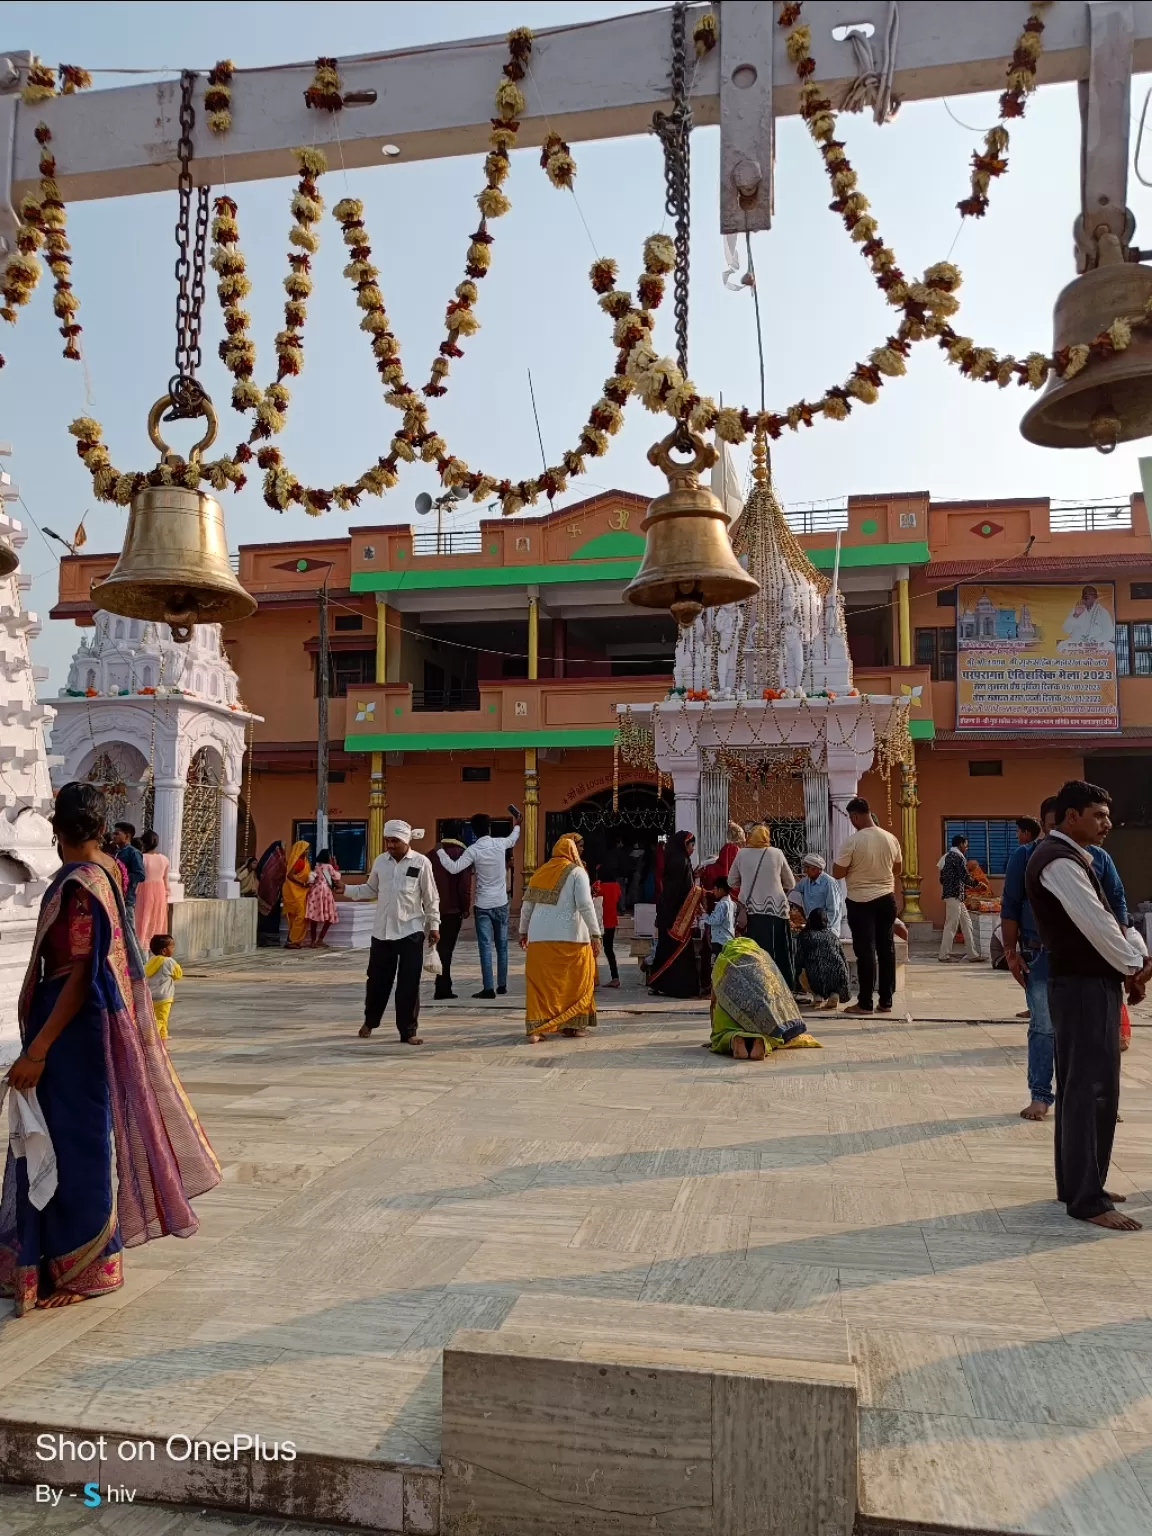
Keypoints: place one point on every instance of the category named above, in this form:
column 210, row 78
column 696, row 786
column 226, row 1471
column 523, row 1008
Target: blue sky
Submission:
column 930, row 431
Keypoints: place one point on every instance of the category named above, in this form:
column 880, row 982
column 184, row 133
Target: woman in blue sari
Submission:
column 129, row 1150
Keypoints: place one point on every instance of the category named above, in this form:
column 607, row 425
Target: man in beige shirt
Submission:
column 868, row 863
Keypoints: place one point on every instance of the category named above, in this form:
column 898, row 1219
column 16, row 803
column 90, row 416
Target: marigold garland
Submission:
column 218, row 96
column 323, row 95
column 237, row 350
column 1021, row 84
column 43, row 224
column 40, row 83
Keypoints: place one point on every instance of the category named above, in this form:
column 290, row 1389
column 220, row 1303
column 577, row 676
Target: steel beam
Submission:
column 597, row 80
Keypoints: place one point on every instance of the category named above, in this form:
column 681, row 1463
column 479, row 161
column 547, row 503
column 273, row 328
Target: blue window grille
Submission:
column 991, row 841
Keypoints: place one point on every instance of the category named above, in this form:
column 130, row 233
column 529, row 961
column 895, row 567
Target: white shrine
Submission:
column 28, row 859
column 766, row 680
column 161, row 727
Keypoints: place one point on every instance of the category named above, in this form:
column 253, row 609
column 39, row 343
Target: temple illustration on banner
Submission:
column 985, row 623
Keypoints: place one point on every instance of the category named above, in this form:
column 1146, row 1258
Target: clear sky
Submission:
column 932, row 430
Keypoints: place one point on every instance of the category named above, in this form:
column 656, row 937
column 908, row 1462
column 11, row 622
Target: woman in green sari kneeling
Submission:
column 753, row 1010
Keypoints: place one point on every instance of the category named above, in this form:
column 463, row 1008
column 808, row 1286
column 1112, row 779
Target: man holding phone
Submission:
column 490, row 898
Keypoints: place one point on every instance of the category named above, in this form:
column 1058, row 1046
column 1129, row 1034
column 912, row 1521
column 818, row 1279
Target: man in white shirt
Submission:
column 407, row 915
column 1089, row 622
column 490, row 898
column 1090, row 963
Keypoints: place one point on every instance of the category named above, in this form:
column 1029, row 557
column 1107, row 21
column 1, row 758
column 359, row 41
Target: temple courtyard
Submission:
column 879, row 1201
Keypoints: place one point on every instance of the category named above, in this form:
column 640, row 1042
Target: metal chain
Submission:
column 674, row 130
column 187, row 393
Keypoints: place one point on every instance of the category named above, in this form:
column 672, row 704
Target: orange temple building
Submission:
column 474, row 670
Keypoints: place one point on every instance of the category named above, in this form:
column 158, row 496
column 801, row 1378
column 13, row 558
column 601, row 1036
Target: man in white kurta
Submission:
column 407, row 917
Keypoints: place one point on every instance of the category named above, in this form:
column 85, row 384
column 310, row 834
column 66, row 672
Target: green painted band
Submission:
column 494, row 576
column 853, row 556
column 457, row 741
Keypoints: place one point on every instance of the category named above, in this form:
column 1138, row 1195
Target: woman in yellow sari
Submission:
column 558, row 928
column 295, row 895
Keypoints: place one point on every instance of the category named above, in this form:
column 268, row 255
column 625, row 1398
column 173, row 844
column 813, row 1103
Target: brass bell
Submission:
column 174, row 567
column 9, row 559
column 1110, row 400
column 688, row 561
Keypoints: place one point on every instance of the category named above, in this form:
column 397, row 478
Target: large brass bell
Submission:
column 688, row 561
column 1110, row 400
column 174, row 567
column 9, row 559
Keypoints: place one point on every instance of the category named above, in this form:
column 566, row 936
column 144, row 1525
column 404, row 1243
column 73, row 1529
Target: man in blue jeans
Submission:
column 1028, row 959
column 490, row 899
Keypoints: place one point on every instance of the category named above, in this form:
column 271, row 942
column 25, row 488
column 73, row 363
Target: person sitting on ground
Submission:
column 816, row 888
column 753, row 1011
column 820, row 956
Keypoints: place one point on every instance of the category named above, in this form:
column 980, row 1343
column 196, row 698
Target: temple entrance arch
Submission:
column 642, row 816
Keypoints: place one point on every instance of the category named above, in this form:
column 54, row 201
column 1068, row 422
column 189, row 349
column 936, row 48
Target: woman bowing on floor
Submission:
column 558, row 928
column 129, row 1150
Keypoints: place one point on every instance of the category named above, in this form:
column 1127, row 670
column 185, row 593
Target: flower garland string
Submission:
column 43, row 224
column 218, row 96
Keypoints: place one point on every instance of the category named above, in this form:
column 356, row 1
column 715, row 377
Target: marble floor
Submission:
column 379, row 1198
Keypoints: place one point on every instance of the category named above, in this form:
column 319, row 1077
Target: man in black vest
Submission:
column 1091, row 962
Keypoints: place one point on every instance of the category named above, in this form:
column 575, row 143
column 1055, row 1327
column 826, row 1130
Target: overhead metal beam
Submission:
column 597, row 80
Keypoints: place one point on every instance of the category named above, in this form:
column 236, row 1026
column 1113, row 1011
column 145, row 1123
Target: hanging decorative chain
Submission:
column 186, row 391
column 674, row 130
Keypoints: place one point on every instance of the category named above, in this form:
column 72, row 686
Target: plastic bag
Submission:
column 432, row 966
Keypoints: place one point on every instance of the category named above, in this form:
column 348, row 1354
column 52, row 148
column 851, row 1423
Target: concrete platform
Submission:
column 380, row 1199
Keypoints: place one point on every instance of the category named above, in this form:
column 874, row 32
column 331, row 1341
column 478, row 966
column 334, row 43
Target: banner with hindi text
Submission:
column 1037, row 658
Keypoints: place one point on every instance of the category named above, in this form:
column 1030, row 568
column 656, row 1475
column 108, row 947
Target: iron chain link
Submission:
column 187, row 393
column 674, row 130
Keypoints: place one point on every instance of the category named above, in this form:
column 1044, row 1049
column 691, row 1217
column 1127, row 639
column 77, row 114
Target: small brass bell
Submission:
column 688, row 561
column 1110, row 400
column 9, row 559
column 174, row 567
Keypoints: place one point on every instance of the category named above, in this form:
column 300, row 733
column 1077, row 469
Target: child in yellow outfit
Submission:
column 163, row 972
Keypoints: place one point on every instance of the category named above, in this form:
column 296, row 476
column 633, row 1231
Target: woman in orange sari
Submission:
column 295, row 897
column 558, row 928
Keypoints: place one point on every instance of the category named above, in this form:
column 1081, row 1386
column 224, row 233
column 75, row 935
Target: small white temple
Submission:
column 161, row 726
column 28, row 859
column 767, row 685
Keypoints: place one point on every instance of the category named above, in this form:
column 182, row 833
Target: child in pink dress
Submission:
column 320, row 908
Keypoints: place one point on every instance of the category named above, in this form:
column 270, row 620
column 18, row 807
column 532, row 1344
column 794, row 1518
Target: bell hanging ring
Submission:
column 174, row 568
column 1110, row 400
column 688, row 561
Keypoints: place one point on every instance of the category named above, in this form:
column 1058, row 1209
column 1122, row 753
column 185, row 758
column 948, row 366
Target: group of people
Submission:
column 290, row 886
column 749, row 890
column 1069, row 943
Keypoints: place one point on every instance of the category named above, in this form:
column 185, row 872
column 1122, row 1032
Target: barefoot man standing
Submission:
column 1091, row 963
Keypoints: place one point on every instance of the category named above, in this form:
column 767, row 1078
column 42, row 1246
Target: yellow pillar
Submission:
column 905, row 622
column 909, row 807
column 378, row 788
column 909, row 788
column 531, row 775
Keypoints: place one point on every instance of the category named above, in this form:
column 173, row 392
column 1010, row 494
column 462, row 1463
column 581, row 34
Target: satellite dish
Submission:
column 423, row 503
column 460, row 492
